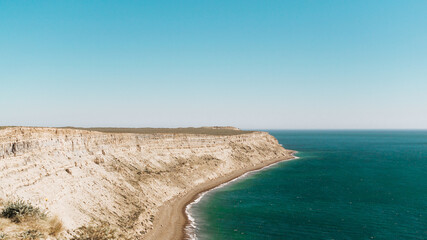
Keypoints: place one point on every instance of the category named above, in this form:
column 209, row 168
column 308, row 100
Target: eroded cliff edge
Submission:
column 122, row 178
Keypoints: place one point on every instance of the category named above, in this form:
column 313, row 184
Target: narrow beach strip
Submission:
column 171, row 221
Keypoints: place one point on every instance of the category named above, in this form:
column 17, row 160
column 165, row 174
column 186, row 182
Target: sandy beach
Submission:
column 172, row 219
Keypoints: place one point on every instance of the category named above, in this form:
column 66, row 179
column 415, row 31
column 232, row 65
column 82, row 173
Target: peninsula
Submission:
column 138, row 180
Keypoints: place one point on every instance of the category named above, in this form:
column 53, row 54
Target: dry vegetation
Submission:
column 21, row 220
column 202, row 130
column 101, row 231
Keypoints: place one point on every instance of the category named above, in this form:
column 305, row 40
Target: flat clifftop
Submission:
column 121, row 176
column 202, row 130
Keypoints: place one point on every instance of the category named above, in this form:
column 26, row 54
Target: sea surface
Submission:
column 345, row 185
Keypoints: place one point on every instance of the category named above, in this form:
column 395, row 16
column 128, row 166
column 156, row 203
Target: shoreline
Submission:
column 172, row 217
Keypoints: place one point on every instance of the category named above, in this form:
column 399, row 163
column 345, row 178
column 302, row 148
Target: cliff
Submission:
column 122, row 178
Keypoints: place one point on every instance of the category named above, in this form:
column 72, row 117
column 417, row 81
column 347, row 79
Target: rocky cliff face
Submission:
column 87, row 176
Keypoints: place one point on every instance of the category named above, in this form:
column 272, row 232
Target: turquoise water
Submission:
column 346, row 185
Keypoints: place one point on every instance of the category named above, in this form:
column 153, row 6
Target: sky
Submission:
column 250, row 64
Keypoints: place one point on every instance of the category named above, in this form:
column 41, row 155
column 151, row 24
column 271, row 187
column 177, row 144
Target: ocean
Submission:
column 345, row 185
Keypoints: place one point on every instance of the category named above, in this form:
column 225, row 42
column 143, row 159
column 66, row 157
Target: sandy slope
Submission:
column 122, row 178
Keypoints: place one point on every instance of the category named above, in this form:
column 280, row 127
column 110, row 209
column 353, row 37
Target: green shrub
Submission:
column 19, row 209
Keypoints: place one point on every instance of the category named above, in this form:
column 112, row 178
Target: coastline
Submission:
column 173, row 219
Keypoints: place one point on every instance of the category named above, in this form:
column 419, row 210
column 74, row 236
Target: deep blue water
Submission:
column 346, row 185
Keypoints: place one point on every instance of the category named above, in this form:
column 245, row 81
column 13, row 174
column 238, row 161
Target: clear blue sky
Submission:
column 250, row 64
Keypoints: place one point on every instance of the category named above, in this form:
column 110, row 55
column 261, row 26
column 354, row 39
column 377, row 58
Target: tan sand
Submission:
column 172, row 219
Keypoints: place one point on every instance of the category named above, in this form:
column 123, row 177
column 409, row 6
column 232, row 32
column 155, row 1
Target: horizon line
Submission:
column 248, row 129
